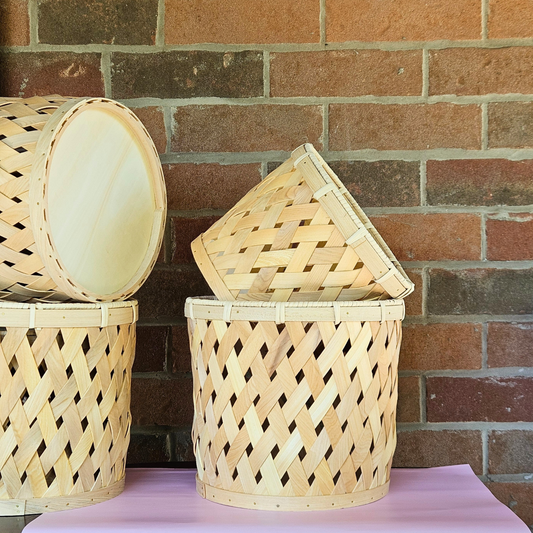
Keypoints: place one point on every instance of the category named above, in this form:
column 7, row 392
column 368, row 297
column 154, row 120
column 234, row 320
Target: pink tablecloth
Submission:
column 436, row 500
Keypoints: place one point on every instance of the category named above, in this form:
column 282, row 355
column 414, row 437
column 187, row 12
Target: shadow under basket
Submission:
column 65, row 381
column 294, row 403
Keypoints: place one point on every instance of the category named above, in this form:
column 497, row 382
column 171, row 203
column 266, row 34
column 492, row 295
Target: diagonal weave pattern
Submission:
column 298, row 236
column 64, row 409
column 22, row 274
column 294, row 409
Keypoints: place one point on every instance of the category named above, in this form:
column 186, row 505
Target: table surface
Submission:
column 435, row 500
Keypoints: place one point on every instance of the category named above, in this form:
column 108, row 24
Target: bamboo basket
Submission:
column 295, row 403
column 299, row 236
column 65, row 379
column 82, row 200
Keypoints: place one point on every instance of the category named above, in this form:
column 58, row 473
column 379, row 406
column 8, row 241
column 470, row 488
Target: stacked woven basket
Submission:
column 295, row 365
column 82, row 211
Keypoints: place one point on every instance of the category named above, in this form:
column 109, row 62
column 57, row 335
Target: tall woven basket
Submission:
column 295, row 403
column 65, row 379
column 82, row 200
column 299, row 236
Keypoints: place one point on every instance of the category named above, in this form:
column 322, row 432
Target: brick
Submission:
column 161, row 402
column 408, row 409
column 151, row 349
column 431, row 237
column 510, row 238
column 346, row 73
column 110, row 22
column 510, row 452
column 403, row 20
column 183, row 231
column 187, row 74
column 517, row 496
column 15, row 23
column 182, row 445
column 148, row 449
column 404, row 127
column 154, row 122
column 479, row 182
column 36, row 73
column 473, row 71
column 440, row 346
column 492, row 399
column 181, row 355
column 424, row 449
column 221, row 186
column 413, row 302
column 509, row 344
column 242, row 21
column 251, row 128
column 381, row 183
column 511, row 125
column 508, row 19
column 480, row 291
column 165, row 291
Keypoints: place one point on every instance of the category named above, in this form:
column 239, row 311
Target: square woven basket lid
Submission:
column 299, row 235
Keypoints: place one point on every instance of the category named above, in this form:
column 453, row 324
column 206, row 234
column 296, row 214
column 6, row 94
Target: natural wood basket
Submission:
column 295, row 404
column 82, row 200
column 65, row 380
column 299, row 236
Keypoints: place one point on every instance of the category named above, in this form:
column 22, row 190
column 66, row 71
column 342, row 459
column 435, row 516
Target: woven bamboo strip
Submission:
column 299, row 236
column 64, row 406
column 294, row 412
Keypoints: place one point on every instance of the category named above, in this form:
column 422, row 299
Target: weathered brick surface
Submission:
column 242, row 21
column 491, row 399
column 440, row 346
column 39, row 73
column 413, row 302
column 154, row 122
column 510, row 238
column 253, row 128
column 15, row 24
column 161, row 402
column 509, row 344
column 431, row 237
column 346, row 73
column 183, row 450
column 165, row 291
column 510, row 452
column 425, row 449
column 480, row 291
column 471, row 71
column 404, row 127
column 110, row 22
column 151, row 348
column 183, row 231
column 479, row 182
column 210, row 185
column 511, row 125
column 510, row 18
column 187, row 74
column 404, row 20
column 181, row 355
column 408, row 409
column 518, row 496
column 381, row 183
column 146, row 449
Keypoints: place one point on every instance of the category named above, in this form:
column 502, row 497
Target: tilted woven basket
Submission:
column 295, row 403
column 299, row 236
column 82, row 200
column 65, row 380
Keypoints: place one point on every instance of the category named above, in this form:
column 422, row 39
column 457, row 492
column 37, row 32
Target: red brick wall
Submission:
column 424, row 109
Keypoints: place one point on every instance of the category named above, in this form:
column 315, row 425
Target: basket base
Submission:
column 60, row 503
column 290, row 503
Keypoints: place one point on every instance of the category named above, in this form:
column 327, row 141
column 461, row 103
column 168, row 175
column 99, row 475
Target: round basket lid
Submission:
column 97, row 200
